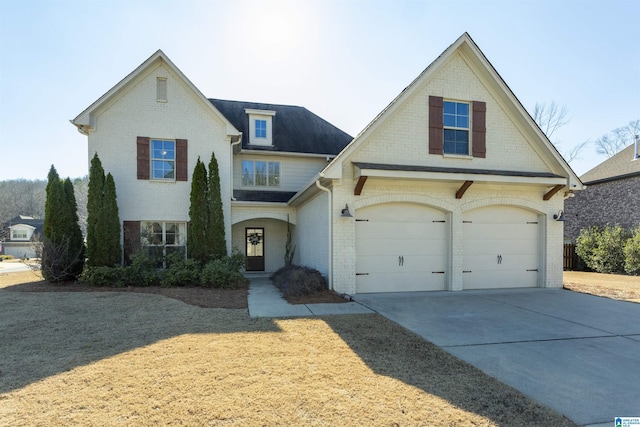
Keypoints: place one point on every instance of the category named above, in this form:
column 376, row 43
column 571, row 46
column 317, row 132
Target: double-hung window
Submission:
column 163, row 159
column 256, row 173
column 261, row 128
column 456, row 127
column 19, row 234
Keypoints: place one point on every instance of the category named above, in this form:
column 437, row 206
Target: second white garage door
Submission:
column 401, row 247
column 501, row 248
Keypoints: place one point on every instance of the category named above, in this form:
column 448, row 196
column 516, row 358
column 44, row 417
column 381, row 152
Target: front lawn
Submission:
column 116, row 358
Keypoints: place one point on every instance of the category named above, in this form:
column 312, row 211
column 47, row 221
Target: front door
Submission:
column 255, row 249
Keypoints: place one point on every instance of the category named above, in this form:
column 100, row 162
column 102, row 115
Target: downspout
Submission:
column 231, row 164
column 330, row 204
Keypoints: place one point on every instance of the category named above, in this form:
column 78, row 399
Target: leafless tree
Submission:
column 552, row 117
column 618, row 139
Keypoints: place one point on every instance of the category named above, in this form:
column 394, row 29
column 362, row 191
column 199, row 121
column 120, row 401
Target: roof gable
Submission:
column 621, row 165
column 85, row 120
column 295, row 129
column 466, row 52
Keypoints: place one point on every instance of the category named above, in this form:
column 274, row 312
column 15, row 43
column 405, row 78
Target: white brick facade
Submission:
column 135, row 112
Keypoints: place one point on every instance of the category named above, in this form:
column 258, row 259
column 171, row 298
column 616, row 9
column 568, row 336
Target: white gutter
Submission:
column 330, row 278
column 231, row 180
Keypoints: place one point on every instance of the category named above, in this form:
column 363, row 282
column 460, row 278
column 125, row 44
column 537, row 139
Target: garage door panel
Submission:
column 500, row 248
column 502, row 231
column 400, row 282
column 399, row 246
column 411, row 230
column 501, row 279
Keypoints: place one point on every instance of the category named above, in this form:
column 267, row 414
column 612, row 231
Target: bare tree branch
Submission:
column 617, row 139
column 550, row 117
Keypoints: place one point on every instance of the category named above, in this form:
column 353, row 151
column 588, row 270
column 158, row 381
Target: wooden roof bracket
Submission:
column 463, row 189
column 360, row 185
column 549, row 194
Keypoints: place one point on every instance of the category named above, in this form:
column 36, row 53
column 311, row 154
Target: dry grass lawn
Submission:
column 615, row 286
column 111, row 358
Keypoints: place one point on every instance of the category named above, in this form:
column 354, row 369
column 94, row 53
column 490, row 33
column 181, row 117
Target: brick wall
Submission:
column 136, row 112
column 614, row 202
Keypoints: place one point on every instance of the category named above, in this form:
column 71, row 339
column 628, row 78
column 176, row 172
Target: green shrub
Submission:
column 180, row 272
column 602, row 250
column 104, row 276
column 143, row 270
column 297, row 280
column 6, row 257
column 632, row 253
column 222, row 273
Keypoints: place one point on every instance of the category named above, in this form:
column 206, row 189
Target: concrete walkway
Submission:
column 576, row 353
column 265, row 300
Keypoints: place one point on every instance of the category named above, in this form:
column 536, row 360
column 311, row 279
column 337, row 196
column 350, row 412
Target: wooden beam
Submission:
column 552, row 192
column 358, row 190
column 462, row 189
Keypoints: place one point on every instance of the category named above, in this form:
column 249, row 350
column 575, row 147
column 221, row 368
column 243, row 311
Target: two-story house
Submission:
column 452, row 186
column 21, row 236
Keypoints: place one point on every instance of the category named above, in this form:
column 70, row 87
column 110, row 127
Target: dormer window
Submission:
column 260, row 127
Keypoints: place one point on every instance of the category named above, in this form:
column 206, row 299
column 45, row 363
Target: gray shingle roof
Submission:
column 295, row 129
column 263, row 196
column 622, row 165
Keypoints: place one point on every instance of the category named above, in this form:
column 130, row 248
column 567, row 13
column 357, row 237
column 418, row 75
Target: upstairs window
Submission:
column 261, row 128
column 456, row 127
column 19, row 234
column 163, row 159
column 257, row 173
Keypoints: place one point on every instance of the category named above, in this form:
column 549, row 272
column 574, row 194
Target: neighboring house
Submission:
column 451, row 187
column 612, row 195
column 21, row 235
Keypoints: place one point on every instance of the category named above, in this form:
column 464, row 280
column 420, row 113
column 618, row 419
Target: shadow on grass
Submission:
column 47, row 333
column 392, row 351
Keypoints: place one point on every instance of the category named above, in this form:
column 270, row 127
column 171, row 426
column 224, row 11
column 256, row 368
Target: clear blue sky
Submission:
column 343, row 60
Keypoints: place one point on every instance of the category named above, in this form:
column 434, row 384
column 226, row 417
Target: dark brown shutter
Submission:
column 436, row 125
column 143, row 157
column 131, row 233
column 478, row 141
column 181, row 160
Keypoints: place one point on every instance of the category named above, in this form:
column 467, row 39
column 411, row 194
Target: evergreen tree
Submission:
column 72, row 230
column 63, row 248
column 94, row 208
column 215, row 229
column 110, row 249
column 197, row 247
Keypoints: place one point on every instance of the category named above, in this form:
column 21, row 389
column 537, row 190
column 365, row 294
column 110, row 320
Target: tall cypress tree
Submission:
column 63, row 248
column 73, row 232
column 197, row 247
column 94, row 208
column 110, row 248
column 215, row 229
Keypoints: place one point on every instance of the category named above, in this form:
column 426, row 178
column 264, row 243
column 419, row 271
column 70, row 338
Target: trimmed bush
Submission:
column 222, row 273
column 143, row 270
column 104, row 276
column 602, row 250
column 298, row 280
column 181, row 272
column 632, row 253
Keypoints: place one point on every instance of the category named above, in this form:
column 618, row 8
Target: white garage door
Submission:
column 400, row 247
column 501, row 248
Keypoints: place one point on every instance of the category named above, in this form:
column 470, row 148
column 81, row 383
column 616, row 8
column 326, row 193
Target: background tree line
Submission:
column 27, row 197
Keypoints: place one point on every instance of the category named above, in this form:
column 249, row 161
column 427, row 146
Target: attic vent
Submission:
column 161, row 89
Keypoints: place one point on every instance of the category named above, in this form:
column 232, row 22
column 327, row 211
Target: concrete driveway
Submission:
column 576, row 353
